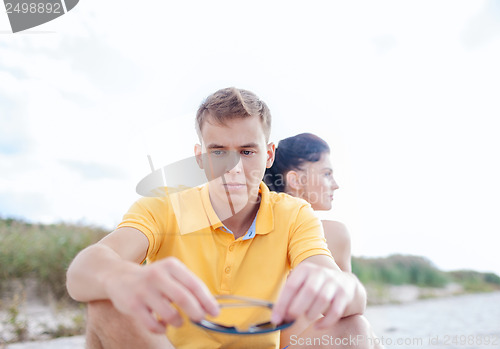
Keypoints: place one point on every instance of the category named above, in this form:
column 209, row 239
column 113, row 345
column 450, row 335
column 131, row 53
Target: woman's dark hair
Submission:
column 291, row 154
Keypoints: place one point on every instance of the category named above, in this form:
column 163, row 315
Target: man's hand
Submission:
column 317, row 287
column 149, row 292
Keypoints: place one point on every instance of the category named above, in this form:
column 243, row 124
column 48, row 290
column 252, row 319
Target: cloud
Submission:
column 385, row 43
column 484, row 27
column 93, row 170
column 24, row 204
column 106, row 68
column 14, row 138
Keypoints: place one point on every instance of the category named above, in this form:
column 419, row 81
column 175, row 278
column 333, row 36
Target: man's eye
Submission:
column 217, row 152
column 247, row 152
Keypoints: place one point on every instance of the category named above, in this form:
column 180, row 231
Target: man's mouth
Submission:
column 234, row 186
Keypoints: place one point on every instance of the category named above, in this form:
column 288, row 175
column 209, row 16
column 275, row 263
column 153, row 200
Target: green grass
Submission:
column 42, row 252
column 419, row 271
column 399, row 270
column 474, row 281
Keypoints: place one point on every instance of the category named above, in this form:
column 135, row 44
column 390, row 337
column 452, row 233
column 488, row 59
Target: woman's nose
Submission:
column 334, row 184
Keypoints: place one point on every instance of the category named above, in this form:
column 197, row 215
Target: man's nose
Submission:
column 237, row 168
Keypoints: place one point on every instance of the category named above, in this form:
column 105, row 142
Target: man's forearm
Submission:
column 91, row 269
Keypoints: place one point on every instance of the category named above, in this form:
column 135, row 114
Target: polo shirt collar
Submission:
column 264, row 218
column 248, row 235
column 214, row 220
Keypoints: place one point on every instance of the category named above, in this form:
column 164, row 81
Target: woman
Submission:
column 302, row 168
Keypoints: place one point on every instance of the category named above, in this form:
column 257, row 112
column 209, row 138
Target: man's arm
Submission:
column 110, row 270
column 317, row 287
column 116, row 253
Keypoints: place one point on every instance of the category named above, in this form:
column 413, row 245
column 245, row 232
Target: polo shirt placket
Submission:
column 231, row 251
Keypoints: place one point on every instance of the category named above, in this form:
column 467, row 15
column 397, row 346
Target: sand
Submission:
column 451, row 322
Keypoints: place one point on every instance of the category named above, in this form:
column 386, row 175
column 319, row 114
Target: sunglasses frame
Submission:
column 264, row 327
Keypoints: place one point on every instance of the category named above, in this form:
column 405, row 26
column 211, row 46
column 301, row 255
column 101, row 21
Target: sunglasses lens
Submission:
column 251, row 316
column 269, row 326
column 260, row 328
column 265, row 326
column 216, row 327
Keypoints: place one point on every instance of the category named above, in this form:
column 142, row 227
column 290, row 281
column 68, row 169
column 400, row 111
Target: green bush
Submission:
column 474, row 281
column 415, row 270
column 42, row 251
column 398, row 270
column 492, row 278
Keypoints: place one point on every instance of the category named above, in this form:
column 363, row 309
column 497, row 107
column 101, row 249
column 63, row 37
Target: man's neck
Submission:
column 242, row 221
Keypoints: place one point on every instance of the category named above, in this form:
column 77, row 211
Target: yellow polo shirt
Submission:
column 184, row 225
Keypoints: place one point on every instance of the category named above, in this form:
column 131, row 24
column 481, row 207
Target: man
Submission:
column 229, row 237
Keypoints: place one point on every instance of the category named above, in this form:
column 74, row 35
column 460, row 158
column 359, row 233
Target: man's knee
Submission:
column 359, row 332
column 106, row 325
column 100, row 311
column 354, row 324
column 109, row 329
column 350, row 332
column 95, row 310
column 103, row 315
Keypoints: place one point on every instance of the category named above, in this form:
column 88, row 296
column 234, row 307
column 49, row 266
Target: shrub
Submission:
column 474, row 281
column 42, row 251
column 398, row 270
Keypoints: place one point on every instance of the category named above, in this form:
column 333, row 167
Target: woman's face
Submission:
column 318, row 184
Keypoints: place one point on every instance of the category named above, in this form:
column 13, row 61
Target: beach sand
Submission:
column 466, row 321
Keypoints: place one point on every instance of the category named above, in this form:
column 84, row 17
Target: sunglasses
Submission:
column 238, row 301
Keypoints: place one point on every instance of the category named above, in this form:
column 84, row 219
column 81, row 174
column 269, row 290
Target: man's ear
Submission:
column 271, row 151
column 293, row 180
column 197, row 154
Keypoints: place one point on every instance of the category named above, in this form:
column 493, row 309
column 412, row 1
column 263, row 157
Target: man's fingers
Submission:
column 306, row 296
column 164, row 312
column 321, row 302
column 192, row 293
column 147, row 317
column 292, row 285
column 182, row 297
column 334, row 313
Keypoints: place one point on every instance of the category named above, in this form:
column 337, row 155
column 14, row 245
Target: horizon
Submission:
column 82, row 224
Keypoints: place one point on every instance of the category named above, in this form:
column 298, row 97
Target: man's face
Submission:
column 240, row 141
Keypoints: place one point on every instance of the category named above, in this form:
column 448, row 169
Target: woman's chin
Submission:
column 322, row 206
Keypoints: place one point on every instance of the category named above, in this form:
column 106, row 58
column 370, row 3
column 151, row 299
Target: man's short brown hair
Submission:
column 231, row 103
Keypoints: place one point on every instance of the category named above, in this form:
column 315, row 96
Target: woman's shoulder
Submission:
column 339, row 242
column 336, row 228
column 334, row 225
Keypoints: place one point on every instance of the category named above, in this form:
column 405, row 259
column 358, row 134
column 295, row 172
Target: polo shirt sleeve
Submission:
column 306, row 237
column 141, row 216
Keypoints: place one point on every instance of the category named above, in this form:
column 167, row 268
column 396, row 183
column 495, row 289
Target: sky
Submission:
column 406, row 94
